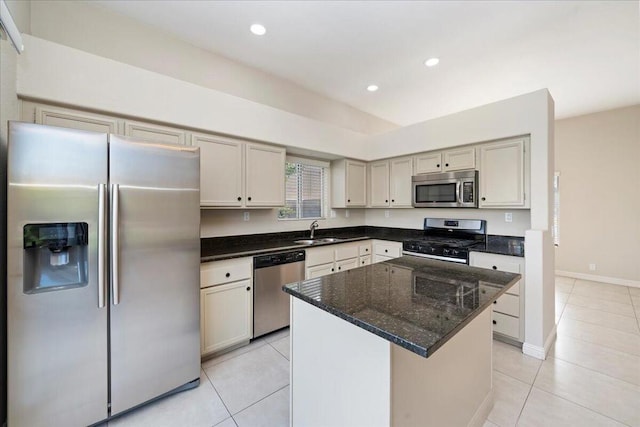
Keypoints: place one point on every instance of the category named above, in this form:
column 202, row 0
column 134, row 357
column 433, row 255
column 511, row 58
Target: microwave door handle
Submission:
column 459, row 192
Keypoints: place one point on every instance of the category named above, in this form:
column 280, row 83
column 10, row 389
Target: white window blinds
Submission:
column 304, row 191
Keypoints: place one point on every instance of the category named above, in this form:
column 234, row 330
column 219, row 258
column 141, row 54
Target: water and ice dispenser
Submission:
column 55, row 256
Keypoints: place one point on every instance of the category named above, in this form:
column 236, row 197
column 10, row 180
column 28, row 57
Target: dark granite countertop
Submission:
column 416, row 303
column 219, row 248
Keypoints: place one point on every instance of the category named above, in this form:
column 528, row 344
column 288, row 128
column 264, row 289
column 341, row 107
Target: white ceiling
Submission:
column 587, row 53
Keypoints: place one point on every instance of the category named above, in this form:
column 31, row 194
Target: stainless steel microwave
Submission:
column 445, row 190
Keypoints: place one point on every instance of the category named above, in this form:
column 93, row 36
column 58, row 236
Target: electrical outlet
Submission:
column 386, row 213
column 332, row 213
column 246, row 216
column 346, row 213
column 592, row 267
column 508, row 217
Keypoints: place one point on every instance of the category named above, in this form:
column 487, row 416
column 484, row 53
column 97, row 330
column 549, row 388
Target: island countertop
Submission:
column 416, row 303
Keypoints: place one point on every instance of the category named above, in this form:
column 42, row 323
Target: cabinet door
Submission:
column 379, row 184
column 400, row 182
column 346, row 264
column 381, row 258
column 62, row 117
column 220, row 171
column 356, row 183
column 428, row 163
column 225, row 315
column 502, row 174
column 155, row 133
column 364, row 260
column 319, row 270
column 264, row 167
column 464, row 158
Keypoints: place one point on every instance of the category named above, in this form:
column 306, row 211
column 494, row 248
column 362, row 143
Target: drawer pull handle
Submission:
column 227, row 275
column 366, row 250
column 362, row 262
column 248, row 288
column 495, row 302
column 332, row 269
column 386, row 201
column 438, row 165
column 386, row 250
column 239, row 198
column 249, row 198
column 494, row 322
column 494, row 267
column 339, row 268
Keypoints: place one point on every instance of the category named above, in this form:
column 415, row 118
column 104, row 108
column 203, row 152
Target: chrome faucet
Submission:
column 313, row 227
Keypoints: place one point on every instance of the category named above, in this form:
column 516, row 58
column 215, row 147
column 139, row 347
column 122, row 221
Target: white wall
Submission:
column 9, row 110
column 216, row 223
column 598, row 157
column 96, row 30
column 59, row 74
column 414, row 218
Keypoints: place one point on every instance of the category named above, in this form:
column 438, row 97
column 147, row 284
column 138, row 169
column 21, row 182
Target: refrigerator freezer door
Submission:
column 155, row 335
column 57, row 335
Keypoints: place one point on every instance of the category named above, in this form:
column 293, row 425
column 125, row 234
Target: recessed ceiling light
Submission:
column 431, row 62
column 372, row 88
column 258, row 30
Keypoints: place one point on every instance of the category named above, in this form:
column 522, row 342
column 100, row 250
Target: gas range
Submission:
column 448, row 239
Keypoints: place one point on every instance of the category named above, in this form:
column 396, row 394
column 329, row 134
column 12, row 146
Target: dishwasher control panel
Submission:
column 277, row 259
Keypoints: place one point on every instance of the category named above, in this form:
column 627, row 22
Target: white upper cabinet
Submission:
column 156, row 133
column 428, row 163
column 445, row 161
column 503, row 174
column 379, row 184
column 459, row 159
column 400, row 181
column 238, row 174
column 348, row 183
column 71, row 119
column 264, row 166
column 390, row 183
column 221, row 169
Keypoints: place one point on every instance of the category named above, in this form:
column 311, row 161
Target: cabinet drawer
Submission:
column 346, row 264
column 506, row 325
column 388, row 250
column 346, row 251
column 365, row 249
column 365, row 260
column 497, row 262
column 227, row 271
column 508, row 304
column 317, row 256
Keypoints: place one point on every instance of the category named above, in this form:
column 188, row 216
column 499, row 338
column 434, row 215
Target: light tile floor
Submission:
column 591, row 377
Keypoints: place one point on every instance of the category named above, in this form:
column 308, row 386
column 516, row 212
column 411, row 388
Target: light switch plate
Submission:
column 346, row 213
column 332, row 213
column 386, row 213
column 246, row 216
column 508, row 217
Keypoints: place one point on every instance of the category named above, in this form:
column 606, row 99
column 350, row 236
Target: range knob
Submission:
column 455, row 251
column 433, row 250
column 446, row 252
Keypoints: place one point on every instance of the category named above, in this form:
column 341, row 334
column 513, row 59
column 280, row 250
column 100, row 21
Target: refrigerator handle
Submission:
column 102, row 195
column 115, row 201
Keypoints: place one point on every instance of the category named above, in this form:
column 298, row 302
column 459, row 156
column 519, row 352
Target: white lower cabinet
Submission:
column 319, row 270
column 384, row 250
column 226, row 304
column 508, row 310
column 346, row 264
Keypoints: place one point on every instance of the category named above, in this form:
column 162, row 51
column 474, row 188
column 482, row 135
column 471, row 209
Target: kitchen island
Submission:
column 403, row 342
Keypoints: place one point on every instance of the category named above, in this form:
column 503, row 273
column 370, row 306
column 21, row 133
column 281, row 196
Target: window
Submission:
column 555, row 232
column 304, row 190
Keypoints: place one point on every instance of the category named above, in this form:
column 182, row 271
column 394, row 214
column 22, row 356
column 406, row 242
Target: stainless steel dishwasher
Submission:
column 270, row 302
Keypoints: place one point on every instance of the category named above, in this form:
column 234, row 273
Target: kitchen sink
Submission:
column 316, row 241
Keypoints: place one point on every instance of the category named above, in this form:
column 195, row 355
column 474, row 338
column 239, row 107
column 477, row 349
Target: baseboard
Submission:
column 537, row 351
column 483, row 411
column 596, row 278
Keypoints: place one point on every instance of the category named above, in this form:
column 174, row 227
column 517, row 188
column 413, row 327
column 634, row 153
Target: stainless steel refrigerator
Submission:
column 103, row 247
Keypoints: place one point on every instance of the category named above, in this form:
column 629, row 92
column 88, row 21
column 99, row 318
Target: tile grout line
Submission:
column 597, row 372
column 219, row 397
column 258, row 401
column 529, row 393
column 581, row 406
column 602, row 345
